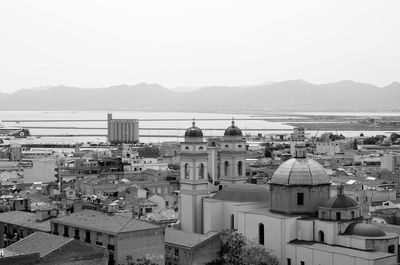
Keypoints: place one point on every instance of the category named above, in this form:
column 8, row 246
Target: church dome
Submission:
column 340, row 201
column 233, row 130
column 302, row 171
column 193, row 131
column 243, row 193
column 365, row 230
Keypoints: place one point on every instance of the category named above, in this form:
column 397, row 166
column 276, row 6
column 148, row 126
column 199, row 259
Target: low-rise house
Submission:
column 50, row 249
column 122, row 236
column 16, row 225
column 191, row 248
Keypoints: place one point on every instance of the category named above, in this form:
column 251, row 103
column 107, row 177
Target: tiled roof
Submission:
column 39, row 242
column 243, row 193
column 25, row 219
column 186, row 239
column 300, row 171
column 102, row 222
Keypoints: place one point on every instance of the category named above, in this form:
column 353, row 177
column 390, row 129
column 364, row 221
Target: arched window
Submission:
column 352, row 214
column 261, row 234
column 240, row 168
column 226, row 146
column 232, row 222
column 201, row 171
column 239, row 146
column 226, row 168
column 321, row 236
column 186, row 171
column 201, row 148
column 187, row 148
column 391, row 249
column 338, row 216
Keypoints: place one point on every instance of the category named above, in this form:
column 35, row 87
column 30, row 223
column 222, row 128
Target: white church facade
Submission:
column 294, row 216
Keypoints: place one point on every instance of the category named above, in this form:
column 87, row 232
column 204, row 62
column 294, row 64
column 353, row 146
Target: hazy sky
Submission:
column 194, row 43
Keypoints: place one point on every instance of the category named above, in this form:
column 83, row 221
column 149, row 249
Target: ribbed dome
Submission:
column 233, row 130
column 301, row 171
column 340, row 201
column 365, row 230
column 193, row 131
column 243, row 193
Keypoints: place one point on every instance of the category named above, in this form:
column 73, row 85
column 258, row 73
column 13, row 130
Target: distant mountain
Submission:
column 294, row 95
column 2, row 95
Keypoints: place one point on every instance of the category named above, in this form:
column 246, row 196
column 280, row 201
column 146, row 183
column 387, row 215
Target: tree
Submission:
column 255, row 254
column 394, row 137
column 236, row 250
column 361, row 135
column 267, row 152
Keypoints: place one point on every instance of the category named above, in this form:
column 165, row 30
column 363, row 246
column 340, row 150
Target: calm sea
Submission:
column 97, row 115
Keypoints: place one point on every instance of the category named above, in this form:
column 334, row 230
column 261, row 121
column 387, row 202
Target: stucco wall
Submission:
column 146, row 243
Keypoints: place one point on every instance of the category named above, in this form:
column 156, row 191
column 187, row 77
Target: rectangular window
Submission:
column 176, row 253
column 76, row 236
column 289, row 261
column 66, row 234
column 87, row 236
column 111, row 243
column 302, row 263
column 338, row 216
column 300, row 198
column 99, row 239
column 55, row 229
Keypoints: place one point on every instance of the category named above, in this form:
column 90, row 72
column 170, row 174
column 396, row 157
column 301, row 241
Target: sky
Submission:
column 181, row 44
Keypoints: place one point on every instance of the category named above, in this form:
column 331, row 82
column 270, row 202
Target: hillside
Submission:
column 294, row 95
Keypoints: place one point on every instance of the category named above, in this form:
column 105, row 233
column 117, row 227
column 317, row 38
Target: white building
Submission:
column 141, row 164
column 233, row 156
column 302, row 224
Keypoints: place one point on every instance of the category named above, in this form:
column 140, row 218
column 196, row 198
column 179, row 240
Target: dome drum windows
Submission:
column 391, row 249
column 300, row 199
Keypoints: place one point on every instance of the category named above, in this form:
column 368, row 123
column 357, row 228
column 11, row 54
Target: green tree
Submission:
column 237, row 250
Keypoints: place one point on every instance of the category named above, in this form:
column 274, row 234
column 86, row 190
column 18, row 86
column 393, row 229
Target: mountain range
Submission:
column 293, row 95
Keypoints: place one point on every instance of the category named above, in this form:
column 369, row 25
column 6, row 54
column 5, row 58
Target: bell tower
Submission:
column 193, row 180
column 233, row 156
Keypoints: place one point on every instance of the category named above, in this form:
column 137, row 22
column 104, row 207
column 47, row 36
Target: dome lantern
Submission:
column 194, row 132
column 233, row 130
